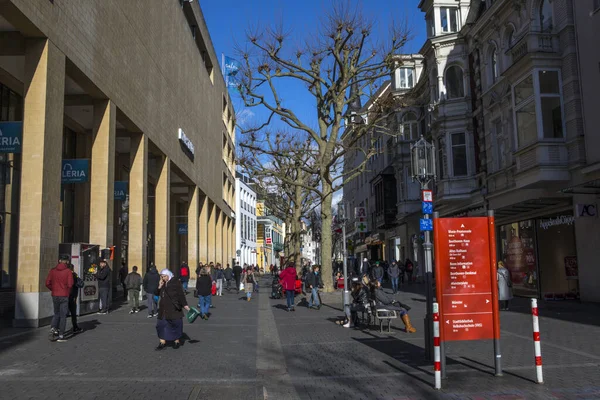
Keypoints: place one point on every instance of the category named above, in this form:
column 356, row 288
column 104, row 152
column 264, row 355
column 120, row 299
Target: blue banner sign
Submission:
column 427, row 207
column 182, row 229
column 11, row 136
column 231, row 69
column 75, row 171
column 426, row 224
column 121, row 190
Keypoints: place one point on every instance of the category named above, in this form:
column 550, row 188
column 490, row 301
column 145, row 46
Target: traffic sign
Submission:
column 426, row 224
column 427, row 195
column 463, row 268
column 427, row 207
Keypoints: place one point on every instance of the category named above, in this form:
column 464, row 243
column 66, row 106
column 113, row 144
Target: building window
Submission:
column 441, row 159
column 494, row 65
column 596, row 5
column 546, row 16
column 404, row 78
column 449, row 19
column 454, row 82
column 550, row 101
column 430, row 26
column 459, row 154
column 496, row 152
column 410, row 127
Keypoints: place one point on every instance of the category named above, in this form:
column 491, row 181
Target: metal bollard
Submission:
column 436, row 347
column 536, row 342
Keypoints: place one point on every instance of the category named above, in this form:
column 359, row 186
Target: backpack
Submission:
column 185, row 272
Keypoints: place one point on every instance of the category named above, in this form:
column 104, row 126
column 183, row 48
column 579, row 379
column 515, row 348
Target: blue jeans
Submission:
column 204, row 304
column 314, row 297
column 184, row 283
column 249, row 294
column 289, row 294
column 395, row 284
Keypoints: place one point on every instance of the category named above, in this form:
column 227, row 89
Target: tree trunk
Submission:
column 326, row 239
column 297, row 225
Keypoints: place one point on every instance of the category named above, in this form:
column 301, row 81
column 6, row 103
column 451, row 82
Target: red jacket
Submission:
column 288, row 278
column 60, row 280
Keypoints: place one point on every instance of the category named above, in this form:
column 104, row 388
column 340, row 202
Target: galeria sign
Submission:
column 187, row 143
column 11, row 134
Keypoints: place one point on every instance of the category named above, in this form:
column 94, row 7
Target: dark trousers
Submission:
column 237, row 283
column 61, row 307
column 103, row 295
column 73, row 311
column 289, row 295
column 124, row 289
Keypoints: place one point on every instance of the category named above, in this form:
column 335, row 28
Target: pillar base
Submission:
column 33, row 309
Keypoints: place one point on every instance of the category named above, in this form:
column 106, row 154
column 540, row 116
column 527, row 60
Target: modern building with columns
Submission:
column 125, row 138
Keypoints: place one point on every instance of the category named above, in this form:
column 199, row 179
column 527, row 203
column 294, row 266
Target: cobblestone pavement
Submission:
column 257, row 350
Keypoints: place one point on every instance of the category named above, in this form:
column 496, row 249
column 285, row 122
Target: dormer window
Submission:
column 404, row 78
column 449, row 19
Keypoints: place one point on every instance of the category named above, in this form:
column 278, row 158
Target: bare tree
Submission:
column 337, row 66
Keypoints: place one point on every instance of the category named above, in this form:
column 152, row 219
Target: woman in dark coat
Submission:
column 171, row 303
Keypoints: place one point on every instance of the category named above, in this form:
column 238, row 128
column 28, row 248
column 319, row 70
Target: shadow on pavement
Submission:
column 566, row 310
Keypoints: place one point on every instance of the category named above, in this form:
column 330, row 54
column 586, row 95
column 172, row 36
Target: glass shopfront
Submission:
column 541, row 256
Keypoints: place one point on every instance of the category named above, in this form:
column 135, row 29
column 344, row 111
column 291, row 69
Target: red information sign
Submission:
column 269, row 241
column 464, row 281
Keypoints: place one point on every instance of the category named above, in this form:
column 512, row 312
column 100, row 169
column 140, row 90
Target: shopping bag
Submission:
column 241, row 286
column 213, row 290
column 192, row 314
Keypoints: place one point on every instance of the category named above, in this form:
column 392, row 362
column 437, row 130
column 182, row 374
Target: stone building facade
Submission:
column 131, row 109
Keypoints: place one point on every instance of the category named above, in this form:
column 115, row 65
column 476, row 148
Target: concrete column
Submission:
column 212, row 232
column 193, row 223
column 162, row 215
column 102, row 201
column 203, row 228
column 40, row 180
column 138, row 202
column 219, row 236
column 226, row 233
column 232, row 239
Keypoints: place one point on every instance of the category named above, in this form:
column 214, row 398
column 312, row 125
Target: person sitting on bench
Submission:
column 383, row 301
column 360, row 298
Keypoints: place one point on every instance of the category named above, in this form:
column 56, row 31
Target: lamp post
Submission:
column 423, row 170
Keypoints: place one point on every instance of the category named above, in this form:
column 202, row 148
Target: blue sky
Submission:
column 229, row 20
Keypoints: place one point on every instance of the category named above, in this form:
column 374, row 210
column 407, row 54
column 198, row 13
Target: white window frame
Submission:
column 537, row 99
column 402, row 72
column 446, row 10
column 450, row 154
column 410, row 123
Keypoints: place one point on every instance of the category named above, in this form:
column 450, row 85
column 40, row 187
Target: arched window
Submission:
column 454, row 82
column 546, row 15
column 510, row 32
column 494, row 65
column 410, row 127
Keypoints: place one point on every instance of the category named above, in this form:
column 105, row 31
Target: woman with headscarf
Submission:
column 171, row 303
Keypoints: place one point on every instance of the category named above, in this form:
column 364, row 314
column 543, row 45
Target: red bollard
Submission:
column 536, row 342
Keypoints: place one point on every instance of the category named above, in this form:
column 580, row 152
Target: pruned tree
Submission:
column 338, row 66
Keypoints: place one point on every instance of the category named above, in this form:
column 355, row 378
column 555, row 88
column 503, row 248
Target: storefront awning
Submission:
column 530, row 208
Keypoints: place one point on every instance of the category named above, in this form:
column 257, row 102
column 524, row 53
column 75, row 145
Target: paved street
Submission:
column 257, row 350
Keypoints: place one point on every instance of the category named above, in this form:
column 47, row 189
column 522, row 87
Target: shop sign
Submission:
column 186, row 142
column 587, row 211
column 11, row 136
column 75, row 171
column 182, row 229
column 558, row 221
column 121, row 190
column 463, row 265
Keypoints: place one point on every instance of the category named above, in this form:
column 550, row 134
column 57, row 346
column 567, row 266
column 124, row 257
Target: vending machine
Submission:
column 85, row 259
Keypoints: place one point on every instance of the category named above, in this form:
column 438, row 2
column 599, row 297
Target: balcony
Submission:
column 408, row 207
column 277, row 246
column 456, row 188
column 534, row 42
column 542, row 163
column 386, row 218
column 450, row 108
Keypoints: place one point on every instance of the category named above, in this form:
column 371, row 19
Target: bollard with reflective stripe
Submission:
column 436, row 347
column 536, row 342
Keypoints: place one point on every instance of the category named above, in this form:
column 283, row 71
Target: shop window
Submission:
column 459, row 154
column 454, row 82
column 449, row 19
column 404, row 78
column 517, row 251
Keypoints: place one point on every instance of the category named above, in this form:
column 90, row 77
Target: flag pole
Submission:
column 223, row 69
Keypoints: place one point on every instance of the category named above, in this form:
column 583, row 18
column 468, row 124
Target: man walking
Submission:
column 314, row 281
column 73, row 295
column 103, row 276
column 151, row 280
column 366, row 267
column 133, row 282
column 220, row 276
column 184, row 276
column 237, row 273
column 60, row 282
column 394, row 274
column 378, row 272
column 123, row 272
column 228, row 276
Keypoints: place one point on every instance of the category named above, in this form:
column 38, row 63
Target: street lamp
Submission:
column 423, row 170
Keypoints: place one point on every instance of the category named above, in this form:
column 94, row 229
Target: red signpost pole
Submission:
column 438, row 286
column 494, row 290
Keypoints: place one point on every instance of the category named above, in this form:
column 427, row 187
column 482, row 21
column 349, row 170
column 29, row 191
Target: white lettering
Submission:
column 561, row 220
column 186, row 141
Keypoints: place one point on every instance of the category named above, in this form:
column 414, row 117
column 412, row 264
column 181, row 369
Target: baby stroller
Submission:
column 276, row 289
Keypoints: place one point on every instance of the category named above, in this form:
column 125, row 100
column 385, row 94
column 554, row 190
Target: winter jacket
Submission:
column 103, row 276
column 228, row 273
column 133, row 281
column 378, row 272
column 237, row 271
column 382, row 298
column 60, row 280
column 184, row 273
column 151, row 280
column 75, row 289
column 123, row 272
column 288, row 278
column 366, row 268
column 219, row 274
column 171, row 297
column 360, row 297
column 504, row 284
column 314, row 280
column 393, row 271
column 204, row 285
